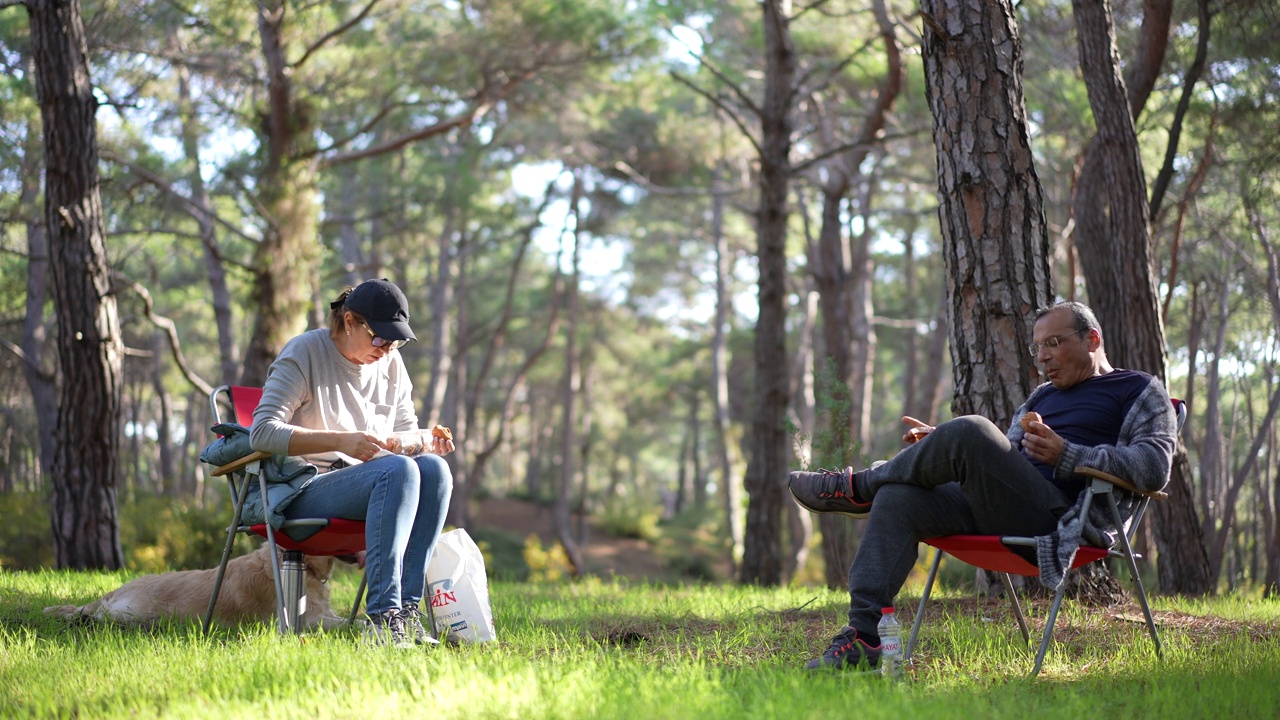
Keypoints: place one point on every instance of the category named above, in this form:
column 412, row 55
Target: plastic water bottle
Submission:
column 890, row 644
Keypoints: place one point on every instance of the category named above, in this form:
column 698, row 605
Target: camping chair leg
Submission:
column 232, row 529
column 1048, row 629
column 1057, row 597
column 1017, row 607
column 282, row 616
column 355, row 606
column 924, row 598
column 1137, row 579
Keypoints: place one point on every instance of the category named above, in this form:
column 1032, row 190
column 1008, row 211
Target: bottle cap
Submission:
column 887, row 611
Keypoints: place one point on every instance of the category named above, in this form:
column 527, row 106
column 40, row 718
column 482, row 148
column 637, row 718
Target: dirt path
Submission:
column 606, row 556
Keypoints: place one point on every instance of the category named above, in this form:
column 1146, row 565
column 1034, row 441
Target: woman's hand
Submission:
column 361, row 446
column 441, row 440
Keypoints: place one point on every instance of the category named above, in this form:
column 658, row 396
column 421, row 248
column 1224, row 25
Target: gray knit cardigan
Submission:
column 1143, row 455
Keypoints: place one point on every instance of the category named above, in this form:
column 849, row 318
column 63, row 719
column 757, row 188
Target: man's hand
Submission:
column 1040, row 442
column 918, row 429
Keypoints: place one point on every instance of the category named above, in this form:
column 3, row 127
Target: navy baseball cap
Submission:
column 384, row 307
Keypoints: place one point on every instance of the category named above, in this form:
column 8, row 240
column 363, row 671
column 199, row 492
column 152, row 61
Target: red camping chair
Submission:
column 992, row 552
column 335, row 537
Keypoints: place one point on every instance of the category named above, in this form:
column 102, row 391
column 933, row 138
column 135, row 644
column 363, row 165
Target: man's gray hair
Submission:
column 1084, row 317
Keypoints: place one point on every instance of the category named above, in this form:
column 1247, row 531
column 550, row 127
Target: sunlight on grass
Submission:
column 632, row 650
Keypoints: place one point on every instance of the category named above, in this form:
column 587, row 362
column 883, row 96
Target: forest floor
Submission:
column 606, row 556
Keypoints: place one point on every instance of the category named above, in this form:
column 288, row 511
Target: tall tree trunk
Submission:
column 730, row 487
column 35, row 337
column 452, row 406
column 217, row 274
column 439, row 347
column 991, row 210
column 285, row 261
column 90, row 348
column 761, row 560
column 560, row 511
column 1129, row 306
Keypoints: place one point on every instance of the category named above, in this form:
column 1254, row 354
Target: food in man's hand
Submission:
column 442, row 432
column 1029, row 418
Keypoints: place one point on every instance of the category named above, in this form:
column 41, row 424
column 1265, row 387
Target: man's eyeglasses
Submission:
column 382, row 342
column 1051, row 342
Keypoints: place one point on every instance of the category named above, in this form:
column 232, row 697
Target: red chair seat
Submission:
column 339, row 537
column 989, row 553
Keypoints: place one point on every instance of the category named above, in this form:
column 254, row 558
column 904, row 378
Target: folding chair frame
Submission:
column 1100, row 484
column 289, row 576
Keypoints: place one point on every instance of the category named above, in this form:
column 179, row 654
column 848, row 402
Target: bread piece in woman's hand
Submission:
column 1029, row 418
column 442, row 432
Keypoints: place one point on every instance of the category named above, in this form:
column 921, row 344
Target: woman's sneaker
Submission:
column 414, row 629
column 387, row 629
column 827, row 491
column 849, row 651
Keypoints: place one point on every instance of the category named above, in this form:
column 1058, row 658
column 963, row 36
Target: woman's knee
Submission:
column 401, row 470
column 435, row 472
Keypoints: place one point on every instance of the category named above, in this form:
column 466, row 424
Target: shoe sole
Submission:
column 857, row 514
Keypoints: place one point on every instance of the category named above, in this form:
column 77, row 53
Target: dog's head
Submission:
column 320, row 567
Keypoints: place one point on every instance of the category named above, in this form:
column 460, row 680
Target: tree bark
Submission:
column 731, row 488
column 995, row 243
column 285, row 261
column 228, row 354
column 569, row 396
column 35, row 337
column 1121, row 278
column 90, row 349
column 767, row 470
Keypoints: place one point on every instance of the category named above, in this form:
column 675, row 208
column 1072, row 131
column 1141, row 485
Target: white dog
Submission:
column 248, row 594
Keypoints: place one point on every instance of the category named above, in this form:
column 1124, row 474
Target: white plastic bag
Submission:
column 459, row 590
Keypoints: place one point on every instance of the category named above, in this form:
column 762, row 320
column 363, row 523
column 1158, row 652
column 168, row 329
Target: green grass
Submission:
column 620, row 650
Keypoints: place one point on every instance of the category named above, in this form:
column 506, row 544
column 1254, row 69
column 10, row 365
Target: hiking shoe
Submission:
column 849, row 651
column 827, row 491
column 387, row 629
column 413, row 627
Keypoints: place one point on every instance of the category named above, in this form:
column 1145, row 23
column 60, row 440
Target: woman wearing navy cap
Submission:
column 341, row 398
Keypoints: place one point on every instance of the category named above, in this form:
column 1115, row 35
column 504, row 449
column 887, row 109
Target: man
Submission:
column 965, row 476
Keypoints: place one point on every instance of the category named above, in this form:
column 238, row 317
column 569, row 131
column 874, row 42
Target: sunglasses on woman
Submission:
column 382, row 342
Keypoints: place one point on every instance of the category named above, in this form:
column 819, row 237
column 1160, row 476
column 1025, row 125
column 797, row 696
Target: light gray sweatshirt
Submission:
column 312, row 385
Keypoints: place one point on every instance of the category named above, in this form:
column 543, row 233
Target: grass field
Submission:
column 620, row 650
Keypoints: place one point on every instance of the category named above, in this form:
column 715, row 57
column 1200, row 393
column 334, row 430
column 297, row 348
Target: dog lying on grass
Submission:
column 248, row 594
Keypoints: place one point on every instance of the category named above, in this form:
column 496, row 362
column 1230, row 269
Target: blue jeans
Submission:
column 403, row 501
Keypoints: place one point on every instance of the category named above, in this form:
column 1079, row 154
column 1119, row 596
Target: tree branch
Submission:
column 687, row 191
column 743, row 97
column 720, row 103
column 483, row 102
column 170, row 329
column 192, row 208
column 1184, row 102
column 334, row 33
column 377, row 118
column 40, row 372
column 473, row 113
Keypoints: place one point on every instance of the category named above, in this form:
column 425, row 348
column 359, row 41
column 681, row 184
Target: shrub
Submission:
column 26, row 535
column 547, row 565
column 630, row 520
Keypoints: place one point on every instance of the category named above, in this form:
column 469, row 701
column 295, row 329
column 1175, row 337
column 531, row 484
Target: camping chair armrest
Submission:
column 1119, row 482
column 235, row 465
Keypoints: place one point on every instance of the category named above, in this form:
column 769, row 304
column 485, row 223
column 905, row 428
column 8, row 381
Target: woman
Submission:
column 341, row 398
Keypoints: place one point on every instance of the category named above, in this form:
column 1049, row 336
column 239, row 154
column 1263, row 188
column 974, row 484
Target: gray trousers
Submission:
column 965, row 477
